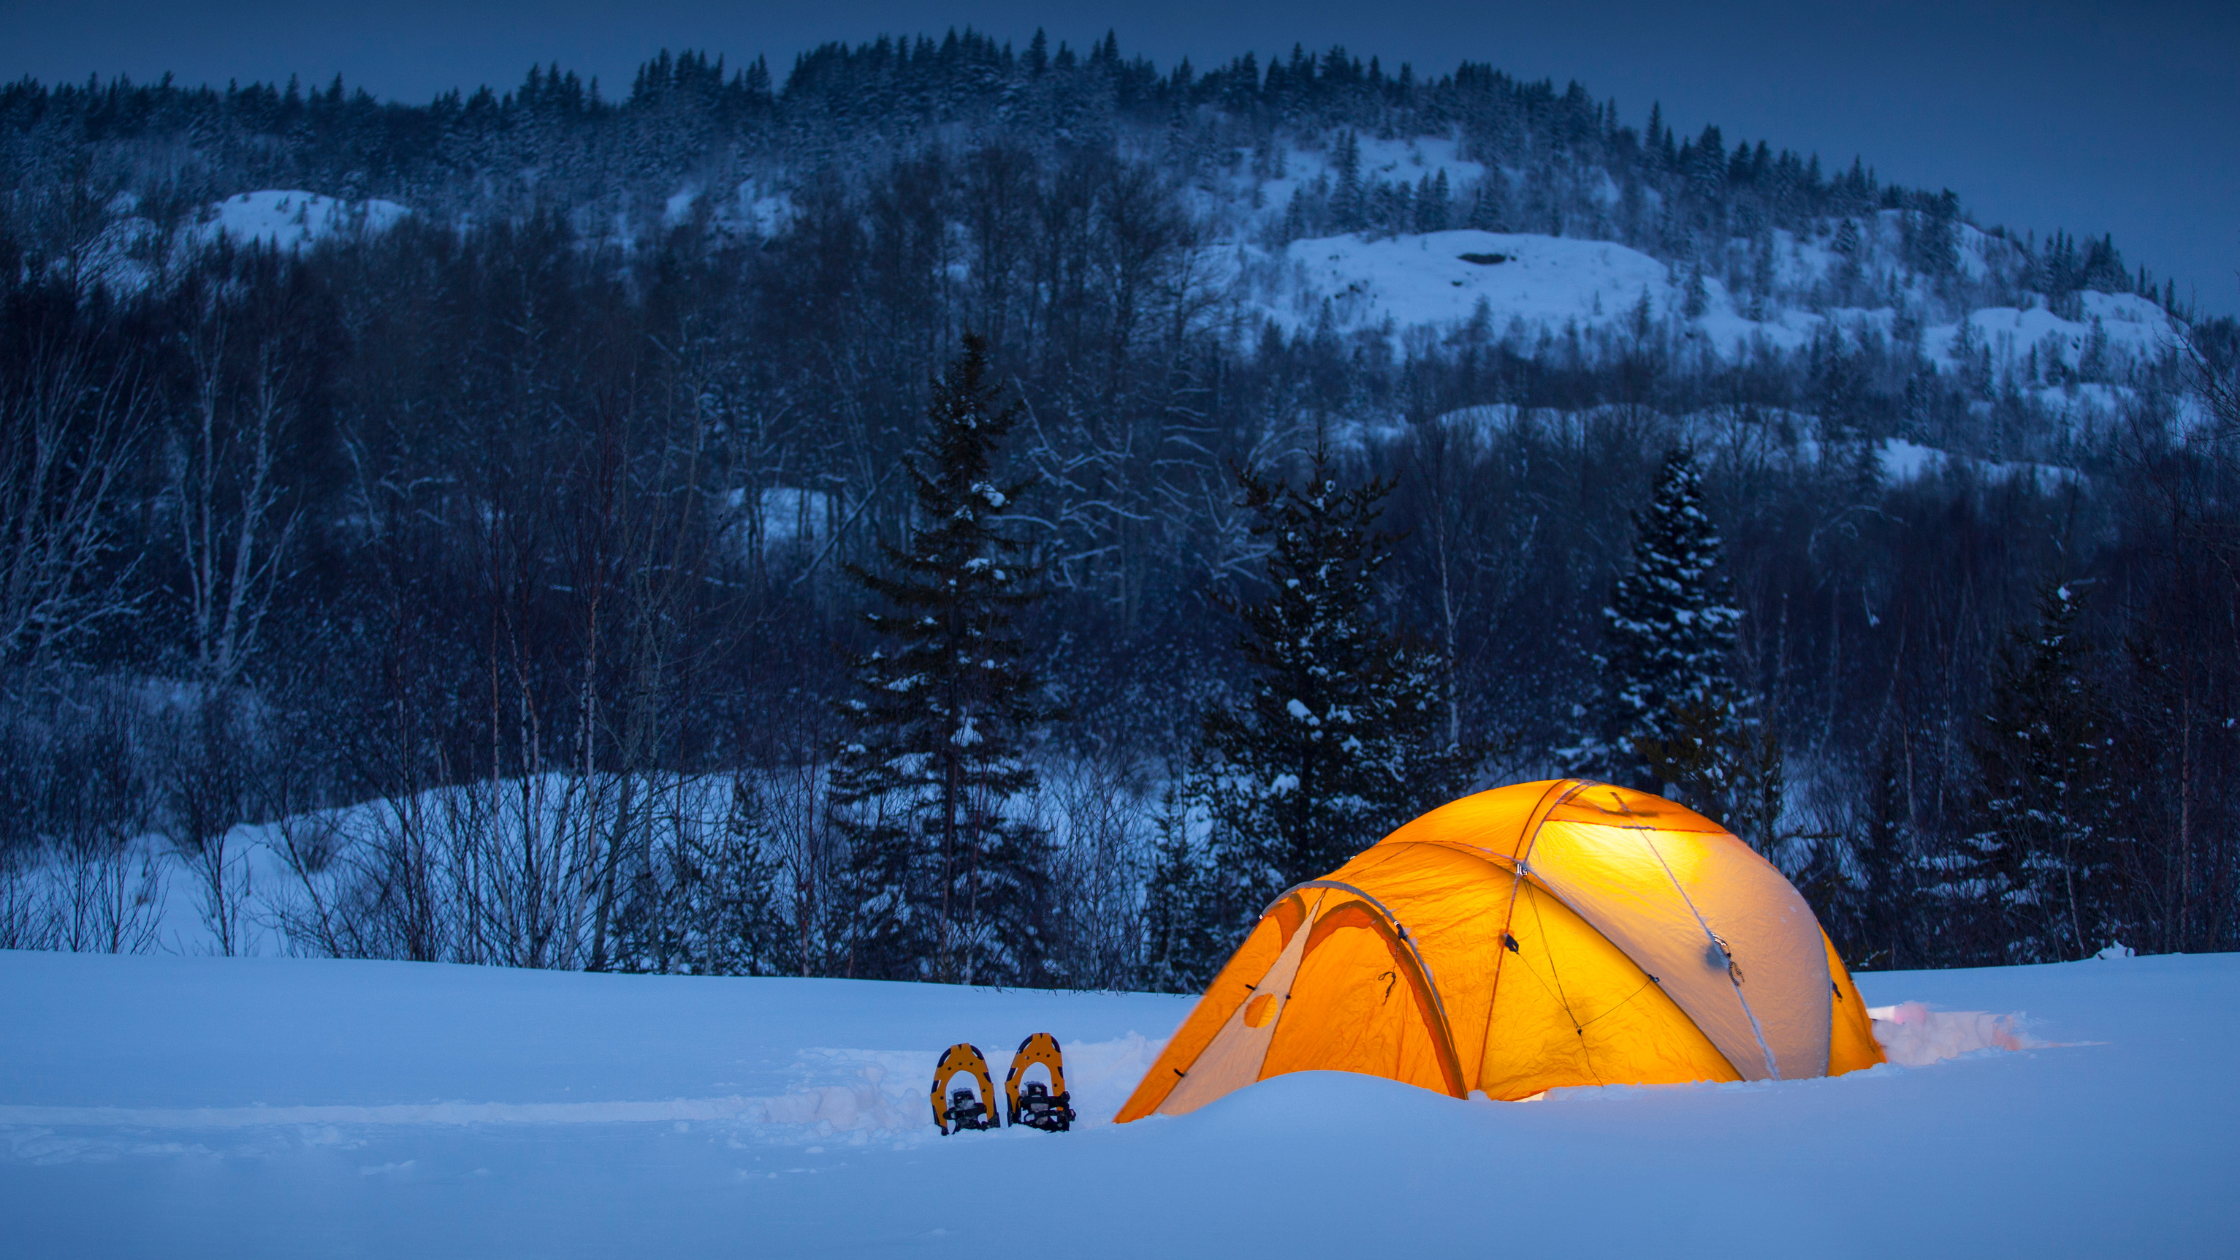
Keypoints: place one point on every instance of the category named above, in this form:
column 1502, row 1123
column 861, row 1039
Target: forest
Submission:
column 876, row 523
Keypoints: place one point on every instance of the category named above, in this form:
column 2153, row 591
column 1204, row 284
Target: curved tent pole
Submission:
column 1562, row 790
column 1451, row 1061
column 1520, row 866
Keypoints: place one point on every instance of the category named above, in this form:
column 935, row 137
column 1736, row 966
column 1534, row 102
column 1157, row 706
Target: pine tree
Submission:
column 1431, row 203
column 1186, row 912
column 1395, row 208
column 2043, row 811
column 707, row 903
column 1695, row 298
column 1846, row 240
column 1339, row 738
column 943, row 883
column 1862, row 886
column 1348, row 199
column 1489, row 206
column 1642, row 319
column 1672, row 713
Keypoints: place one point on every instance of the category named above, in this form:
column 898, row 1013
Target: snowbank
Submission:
column 1912, row 1035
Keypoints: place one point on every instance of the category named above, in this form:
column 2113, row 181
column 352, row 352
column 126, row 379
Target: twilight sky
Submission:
column 2094, row 117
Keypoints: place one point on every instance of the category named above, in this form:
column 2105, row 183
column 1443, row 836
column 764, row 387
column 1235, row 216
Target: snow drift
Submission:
column 1912, row 1035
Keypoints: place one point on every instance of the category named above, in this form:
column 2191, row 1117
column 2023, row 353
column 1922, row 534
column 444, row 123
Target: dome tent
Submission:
column 1534, row 936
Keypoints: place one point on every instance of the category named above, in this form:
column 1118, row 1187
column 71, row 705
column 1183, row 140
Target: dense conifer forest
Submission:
column 916, row 517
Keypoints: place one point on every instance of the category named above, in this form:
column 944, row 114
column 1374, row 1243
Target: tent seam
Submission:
column 1757, row 1030
column 1554, row 797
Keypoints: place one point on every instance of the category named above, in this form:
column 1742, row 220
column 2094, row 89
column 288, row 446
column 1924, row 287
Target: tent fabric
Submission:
column 1531, row 937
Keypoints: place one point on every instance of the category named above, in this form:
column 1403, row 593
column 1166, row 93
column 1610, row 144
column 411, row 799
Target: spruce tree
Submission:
column 1432, row 203
column 1489, row 206
column 1862, row 885
column 1882, row 905
column 1672, row 712
column 943, row 882
column 707, row 902
column 1695, row 298
column 1668, row 627
column 1338, row 739
column 1349, row 198
column 1185, row 919
column 2043, row 813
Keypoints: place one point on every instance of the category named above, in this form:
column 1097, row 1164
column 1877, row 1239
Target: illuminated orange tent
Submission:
column 1534, row 936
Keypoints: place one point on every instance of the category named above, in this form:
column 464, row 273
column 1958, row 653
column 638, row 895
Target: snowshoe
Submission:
column 1032, row 1103
column 963, row 1110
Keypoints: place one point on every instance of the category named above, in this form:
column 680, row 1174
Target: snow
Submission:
column 1425, row 278
column 1549, row 289
column 291, row 218
column 1912, row 1035
column 285, row 1107
column 1541, row 284
column 1773, row 438
column 678, row 208
column 1386, row 161
column 2133, row 325
column 1904, row 461
column 793, row 514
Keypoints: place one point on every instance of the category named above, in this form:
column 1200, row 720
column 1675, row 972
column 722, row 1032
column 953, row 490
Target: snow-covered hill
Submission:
column 270, row 1107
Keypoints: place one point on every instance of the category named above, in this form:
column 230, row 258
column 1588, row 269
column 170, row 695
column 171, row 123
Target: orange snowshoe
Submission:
column 963, row 1110
column 1047, row 1107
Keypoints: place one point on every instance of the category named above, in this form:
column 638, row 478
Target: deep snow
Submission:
column 249, row 1107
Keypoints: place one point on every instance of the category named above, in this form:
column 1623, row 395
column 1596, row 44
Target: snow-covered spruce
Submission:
column 943, row 880
column 1672, row 712
column 1339, row 738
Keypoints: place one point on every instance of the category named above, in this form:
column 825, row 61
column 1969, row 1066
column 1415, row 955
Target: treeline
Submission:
column 1559, row 161
column 534, row 540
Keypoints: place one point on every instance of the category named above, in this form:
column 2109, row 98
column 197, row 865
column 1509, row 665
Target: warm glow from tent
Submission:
column 1640, row 944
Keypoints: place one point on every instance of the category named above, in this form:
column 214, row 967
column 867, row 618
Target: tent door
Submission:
column 1233, row 1059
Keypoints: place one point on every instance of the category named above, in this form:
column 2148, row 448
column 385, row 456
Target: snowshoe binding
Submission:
column 962, row 1110
column 1047, row 1107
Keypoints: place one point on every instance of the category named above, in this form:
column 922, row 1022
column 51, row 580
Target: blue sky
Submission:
column 2088, row 117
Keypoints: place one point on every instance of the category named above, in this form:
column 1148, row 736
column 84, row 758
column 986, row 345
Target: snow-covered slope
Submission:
column 1523, row 286
column 292, row 218
column 187, row 1106
column 2128, row 322
column 1520, row 284
column 126, row 256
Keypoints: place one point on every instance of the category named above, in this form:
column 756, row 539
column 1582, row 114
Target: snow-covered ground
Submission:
column 277, row 1107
